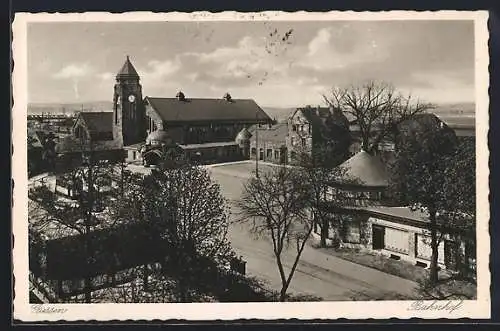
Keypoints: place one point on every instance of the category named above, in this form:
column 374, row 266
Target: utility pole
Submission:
column 257, row 149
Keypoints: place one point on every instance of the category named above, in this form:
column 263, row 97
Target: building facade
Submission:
column 205, row 130
column 312, row 127
column 305, row 129
column 268, row 143
column 370, row 221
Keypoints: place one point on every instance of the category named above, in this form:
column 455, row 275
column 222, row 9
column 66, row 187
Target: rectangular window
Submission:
column 397, row 240
column 269, row 153
column 303, row 141
column 253, row 151
column 133, row 155
column 294, row 127
column 276, row 154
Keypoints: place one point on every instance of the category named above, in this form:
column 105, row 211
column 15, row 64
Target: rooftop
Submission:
column 98, row 122
column 276, row 133
column 208, row 110
column 366, row 169
column 324, row 116
column 209, row 145
column 400, row 212
column 127, row 70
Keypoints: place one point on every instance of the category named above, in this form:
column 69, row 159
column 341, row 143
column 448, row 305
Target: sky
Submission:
column 71, row 62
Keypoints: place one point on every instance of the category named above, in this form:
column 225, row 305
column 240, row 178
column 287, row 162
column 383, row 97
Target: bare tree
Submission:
column 188, row 212
column 324, row 200
column 275, row 203
column 376, row 107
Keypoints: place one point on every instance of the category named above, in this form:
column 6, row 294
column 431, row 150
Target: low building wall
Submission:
column 408, row 243
column 402, row 239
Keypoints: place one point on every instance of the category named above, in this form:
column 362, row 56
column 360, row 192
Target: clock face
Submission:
column 131, row 98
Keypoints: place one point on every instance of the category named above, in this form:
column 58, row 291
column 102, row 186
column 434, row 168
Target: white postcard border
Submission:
column 479, row 308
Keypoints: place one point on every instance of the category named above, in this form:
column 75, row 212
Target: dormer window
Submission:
column 180, row 96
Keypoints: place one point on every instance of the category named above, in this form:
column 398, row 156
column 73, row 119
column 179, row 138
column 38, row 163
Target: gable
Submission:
column 99, row 125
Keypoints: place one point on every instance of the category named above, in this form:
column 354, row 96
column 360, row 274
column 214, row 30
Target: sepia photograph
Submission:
column 328, row 160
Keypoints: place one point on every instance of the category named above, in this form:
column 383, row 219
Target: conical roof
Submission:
column 127, row 70
column 366, row 170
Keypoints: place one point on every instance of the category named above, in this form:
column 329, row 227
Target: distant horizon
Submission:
column 260, row 105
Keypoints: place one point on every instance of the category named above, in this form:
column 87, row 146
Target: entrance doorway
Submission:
column 378, row 237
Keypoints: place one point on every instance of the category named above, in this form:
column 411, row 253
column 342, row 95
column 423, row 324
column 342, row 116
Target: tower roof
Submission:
column 127, row 70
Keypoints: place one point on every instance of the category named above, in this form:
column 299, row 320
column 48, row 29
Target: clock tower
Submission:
column 129, row 115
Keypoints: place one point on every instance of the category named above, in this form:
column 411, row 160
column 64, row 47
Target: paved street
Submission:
column 318, row 274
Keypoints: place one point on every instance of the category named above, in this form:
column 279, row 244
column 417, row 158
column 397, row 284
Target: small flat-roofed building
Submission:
column 403, row 233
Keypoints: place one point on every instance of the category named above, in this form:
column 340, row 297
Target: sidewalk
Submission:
column 377, row 278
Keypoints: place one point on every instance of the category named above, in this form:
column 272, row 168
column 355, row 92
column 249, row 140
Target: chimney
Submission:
column 180, row 96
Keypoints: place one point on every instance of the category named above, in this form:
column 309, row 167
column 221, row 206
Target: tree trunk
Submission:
column 324, row 232
column 88, row 220
column 88, row 280
column 282, row 295
column 284, row 283
column 434, row 245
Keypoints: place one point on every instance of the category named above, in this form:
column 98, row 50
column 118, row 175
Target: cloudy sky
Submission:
column 77, row 62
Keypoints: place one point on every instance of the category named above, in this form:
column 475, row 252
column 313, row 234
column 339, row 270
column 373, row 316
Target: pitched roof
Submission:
column 127, row 70
column 366, row 169
column 421, row 120
column 207, row 110
column 324, row 116
column 421, row 123
column 277, row 133
column 327, row 123
column 98, row 122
